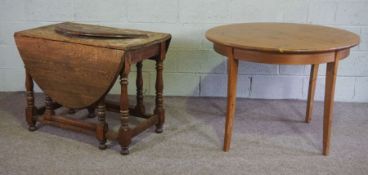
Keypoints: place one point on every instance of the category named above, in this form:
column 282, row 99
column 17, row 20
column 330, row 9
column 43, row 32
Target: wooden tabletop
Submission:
column 282, row 37
column 94, row 35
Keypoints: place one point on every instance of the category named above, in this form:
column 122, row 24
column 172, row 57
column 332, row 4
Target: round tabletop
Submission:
column 282, row 37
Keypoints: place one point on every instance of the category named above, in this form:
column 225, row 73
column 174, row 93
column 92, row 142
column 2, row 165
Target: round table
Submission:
column 283, row 43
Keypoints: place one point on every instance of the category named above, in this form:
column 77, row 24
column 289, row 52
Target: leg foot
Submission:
column 159, row 129
column 102, row 146
column 124, row 151
column 32, row 128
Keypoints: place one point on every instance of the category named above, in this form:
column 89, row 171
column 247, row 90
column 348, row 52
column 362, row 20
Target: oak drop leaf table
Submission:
column 283, row 43
column 76, row 65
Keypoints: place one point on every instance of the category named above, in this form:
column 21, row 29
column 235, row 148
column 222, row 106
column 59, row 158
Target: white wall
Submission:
column 192, row 67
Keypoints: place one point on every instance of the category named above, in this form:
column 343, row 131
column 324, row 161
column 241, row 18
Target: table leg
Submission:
column 30, row 108
column 159, row 108
column 231, row 97
column 331, row 73
column 49, row 108
column 139, row 108
column 102, row 125
column 91, row 112
column 124, row 131
column 311, row 92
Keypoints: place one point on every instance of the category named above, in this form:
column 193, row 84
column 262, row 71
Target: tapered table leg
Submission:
column 139, row 108
column 231, row 97
column 102, row 126
column 311, row 92
column 331, row 73
column 30, row 108
column 124, row 131
column 159, row 108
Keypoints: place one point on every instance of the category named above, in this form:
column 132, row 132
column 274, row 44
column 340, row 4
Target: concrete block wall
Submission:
column 192, row 67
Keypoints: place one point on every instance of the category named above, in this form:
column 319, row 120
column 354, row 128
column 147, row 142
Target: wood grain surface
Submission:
column 76, row 65
column 77, row 71
column 282, row 37
column 284, row 43
column 49, row 33
column 84, row 30
column 74, row 75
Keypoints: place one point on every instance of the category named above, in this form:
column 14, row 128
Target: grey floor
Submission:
column 269, row 137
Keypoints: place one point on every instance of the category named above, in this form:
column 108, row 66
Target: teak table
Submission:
column 76, row 65
column 283, row 43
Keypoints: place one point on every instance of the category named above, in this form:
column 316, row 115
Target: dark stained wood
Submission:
column 139, row 83
column 66, row 125
column 143, row 53
column 70, row 121
column 102, row 126
column 284, row 43
column 40, row 110
column 311, row 92
column 159, row 108
column 76, row 72
column 48, row 33
column 89, row 71
column 125, row 135
column 84, row 30
column 112, row 135
column 91, row 112
column 49, row 108
column 30, row 108
column 115, row 107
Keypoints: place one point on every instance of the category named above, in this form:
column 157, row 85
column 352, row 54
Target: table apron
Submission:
column 284, row 58
column 143, row 53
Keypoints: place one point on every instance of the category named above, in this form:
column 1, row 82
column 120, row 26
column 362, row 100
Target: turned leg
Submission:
column 91, row 112
column 311, row 92
column 159, row 108
column 231, row 97
column 331, row 73
column 49, row 108
column 102, row 125
column 139, row 108
column 30, row 108
column 124, row 131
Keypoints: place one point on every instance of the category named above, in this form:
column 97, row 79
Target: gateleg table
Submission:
column 76, row 65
